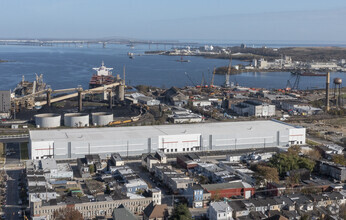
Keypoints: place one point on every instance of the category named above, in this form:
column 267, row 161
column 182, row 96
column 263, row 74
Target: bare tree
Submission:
column 67, row 214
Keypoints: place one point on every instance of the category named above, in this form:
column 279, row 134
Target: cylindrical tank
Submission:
column 48, row 120
column 76, row 120
column 337, row 81
column 121, row 92
column 101, row 118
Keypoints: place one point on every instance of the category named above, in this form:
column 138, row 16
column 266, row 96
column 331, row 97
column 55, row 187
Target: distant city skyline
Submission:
column 224, row 21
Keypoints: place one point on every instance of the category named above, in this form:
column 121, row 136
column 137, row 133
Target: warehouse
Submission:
column 75, row 143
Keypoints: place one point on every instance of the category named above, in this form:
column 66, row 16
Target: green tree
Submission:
column 267, row 173
column 203, row 180
column 295, row 150
column 290, row 161
column 92, row 168
column 306, row 163
column 181, row 212
column 339, row 159
column 108, row 190
column 305, row 217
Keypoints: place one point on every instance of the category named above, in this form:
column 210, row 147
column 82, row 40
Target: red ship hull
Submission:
column 97, row 81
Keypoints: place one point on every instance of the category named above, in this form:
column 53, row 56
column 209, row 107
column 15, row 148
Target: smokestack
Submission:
column 327, row 91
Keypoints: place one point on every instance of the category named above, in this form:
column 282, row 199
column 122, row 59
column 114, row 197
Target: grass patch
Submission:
column 2, row 153
column 312, row 143
column 24, row 152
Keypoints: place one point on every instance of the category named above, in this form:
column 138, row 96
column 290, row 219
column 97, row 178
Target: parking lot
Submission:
column 12, row 153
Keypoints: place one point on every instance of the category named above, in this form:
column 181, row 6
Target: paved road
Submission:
column 15, row 157
column 146, row 176
column 12, row 197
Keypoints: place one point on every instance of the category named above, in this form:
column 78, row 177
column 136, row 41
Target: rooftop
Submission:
column 122, row 213
column 92, row 157
column 116, row 157
column 233, row 185
column 155, row 211
column 243, row 129
column 220, row 206
column 237, row 205
column 48, row 164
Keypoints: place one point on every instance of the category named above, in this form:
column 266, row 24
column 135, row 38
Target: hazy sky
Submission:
column 223, row 20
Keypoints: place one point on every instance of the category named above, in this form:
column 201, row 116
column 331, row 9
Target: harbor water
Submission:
column 67, row 66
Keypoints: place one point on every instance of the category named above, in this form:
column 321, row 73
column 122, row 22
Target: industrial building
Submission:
column 5, row 101
column 145, row 100
column 254, row 108
column 75, row 143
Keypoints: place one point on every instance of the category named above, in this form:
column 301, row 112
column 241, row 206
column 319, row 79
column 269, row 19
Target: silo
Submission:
column 48, row 120
column 120, row 92
column 101, row 118
column 76, row 120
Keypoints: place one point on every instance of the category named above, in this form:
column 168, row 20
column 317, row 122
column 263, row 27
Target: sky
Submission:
column 313, row 21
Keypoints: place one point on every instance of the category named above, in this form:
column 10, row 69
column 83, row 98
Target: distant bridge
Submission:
column 104, row 42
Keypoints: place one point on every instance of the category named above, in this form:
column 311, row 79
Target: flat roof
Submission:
column 241, row 129
column 220, row 206
column 49, row 164
column 224, row 186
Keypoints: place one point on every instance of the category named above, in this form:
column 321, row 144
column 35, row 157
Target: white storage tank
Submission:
column 76, row 120
column 101, row 118
column 47, row 120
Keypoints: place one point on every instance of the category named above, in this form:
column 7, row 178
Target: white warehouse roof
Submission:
column 242, row 129
column 77, row 142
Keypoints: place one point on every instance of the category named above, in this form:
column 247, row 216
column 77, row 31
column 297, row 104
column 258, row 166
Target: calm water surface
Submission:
column 68, row 67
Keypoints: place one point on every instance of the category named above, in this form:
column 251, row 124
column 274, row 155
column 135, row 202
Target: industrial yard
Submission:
column 200, row 147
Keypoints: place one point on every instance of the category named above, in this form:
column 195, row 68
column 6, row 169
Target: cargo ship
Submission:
column 102, row 77
column 27, row 88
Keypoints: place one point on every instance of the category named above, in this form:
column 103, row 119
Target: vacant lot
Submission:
column 24, row 154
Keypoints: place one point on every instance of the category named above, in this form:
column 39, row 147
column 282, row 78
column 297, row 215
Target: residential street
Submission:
column 12, row 197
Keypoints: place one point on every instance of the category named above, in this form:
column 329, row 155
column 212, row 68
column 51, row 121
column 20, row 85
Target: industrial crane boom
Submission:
column 212, row 79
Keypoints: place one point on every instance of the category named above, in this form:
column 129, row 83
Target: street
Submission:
column 12, row 197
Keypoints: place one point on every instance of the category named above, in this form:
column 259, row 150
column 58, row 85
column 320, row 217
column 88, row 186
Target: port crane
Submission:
column 227, row 83
column 188, row 76
column 212, row 78
column 295, row 85
column 203, row 82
